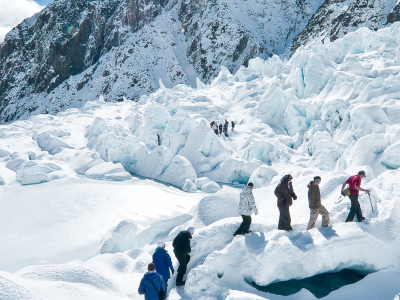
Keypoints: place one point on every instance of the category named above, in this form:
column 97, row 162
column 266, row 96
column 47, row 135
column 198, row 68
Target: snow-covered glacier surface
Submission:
column 86, row 194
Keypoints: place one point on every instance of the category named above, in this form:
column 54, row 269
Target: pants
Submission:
column 245, row 226
column 355, row 209
column 314, row 216
column 183, row 262
column 284, row 218
column 216, row 131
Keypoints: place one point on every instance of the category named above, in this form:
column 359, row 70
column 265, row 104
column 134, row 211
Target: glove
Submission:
column 172, row 271
column 294, row 197
column 342, row 192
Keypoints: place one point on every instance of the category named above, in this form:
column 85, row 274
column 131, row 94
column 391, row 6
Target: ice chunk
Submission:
column 121, row 238
column 366, row 119
column 246, row 74
column 233, row 170
column 15, row 163
column 391, row 156
column 189, row 186
column 34, row 172
column 50, row 143
column 178, row 172
column 108, row 170
column 204, row 149
column 211, row 187
column 262, row 176
column 4, row 153
column 201, row 181
column 81, row 162
column 259, row 150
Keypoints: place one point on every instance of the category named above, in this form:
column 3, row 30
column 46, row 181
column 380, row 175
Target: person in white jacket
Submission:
column 247, row 206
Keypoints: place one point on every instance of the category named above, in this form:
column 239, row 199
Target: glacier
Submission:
column 110, row 192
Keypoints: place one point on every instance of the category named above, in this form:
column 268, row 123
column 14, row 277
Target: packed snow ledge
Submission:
column 80, row 217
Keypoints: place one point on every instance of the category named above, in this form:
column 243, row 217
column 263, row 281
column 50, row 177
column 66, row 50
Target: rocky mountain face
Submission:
column 78, row 50
column 335, row 18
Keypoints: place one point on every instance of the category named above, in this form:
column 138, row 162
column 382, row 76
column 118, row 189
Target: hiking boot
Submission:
column 180, row 283
column 362, row 219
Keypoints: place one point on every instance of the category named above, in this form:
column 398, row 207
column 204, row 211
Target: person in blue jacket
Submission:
column 151, row 284
column 163, row 262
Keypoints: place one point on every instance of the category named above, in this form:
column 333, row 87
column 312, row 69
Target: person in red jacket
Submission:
column 354, row 183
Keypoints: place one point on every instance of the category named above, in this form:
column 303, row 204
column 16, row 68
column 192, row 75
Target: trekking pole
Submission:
column 371, row 202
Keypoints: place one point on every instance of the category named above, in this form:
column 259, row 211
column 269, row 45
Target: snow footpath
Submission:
column 80, row 220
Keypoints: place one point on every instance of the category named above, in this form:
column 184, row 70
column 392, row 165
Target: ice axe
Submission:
column 371, row 202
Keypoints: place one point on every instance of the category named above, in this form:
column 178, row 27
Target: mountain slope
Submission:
column 53, row 60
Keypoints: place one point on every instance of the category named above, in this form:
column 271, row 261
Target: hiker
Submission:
column 182, row 249
column 233, row 126
column 163, row 263
column 151, row 284
column 316, row 208
column 158, row 139
column 220, row 129
column 354, row 183
column 226, row 127
column 247, row 206
column 284, row 192
column 215, row 128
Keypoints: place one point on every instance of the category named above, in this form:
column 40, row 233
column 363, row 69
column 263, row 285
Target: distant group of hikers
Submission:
column 285, row 196
column 155, row 282
column 218, row 129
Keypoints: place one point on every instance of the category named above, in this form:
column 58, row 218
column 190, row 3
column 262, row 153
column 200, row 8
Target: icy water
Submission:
column 319, row 285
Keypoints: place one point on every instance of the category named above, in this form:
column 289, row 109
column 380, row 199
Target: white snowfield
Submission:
column 78, row 220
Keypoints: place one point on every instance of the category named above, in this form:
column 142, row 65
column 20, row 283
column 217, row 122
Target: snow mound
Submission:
column 262, row 176
column 211, row 187
column 34, row 172
column 201, row 181
column 222, row 204
column 81, row 162
column 122, row 238
column 108, row 170
column 255, row 258
column 68, row 273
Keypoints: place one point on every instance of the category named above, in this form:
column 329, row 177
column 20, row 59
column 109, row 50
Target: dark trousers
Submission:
column 245, row 226
column 355, row 209
column 284, row 218
column 183, row 262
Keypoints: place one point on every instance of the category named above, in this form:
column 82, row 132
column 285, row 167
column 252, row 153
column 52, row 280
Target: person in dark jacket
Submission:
column 151, row 284
column 226, row 127
column 220, row 129
column 316, row 208
column 284, row 192
column 158, row 139
column 182, row 249
column 233, row 126
column 163, row 262
column 354, row 183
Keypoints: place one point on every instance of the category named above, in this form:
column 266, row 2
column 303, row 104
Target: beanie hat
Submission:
column 191, row 230
column 361, row 173
column 160, row 244
column 317, row 179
